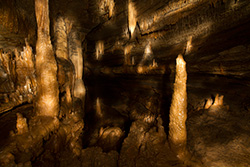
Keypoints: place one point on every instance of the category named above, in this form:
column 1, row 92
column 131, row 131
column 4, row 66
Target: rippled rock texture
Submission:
column 96, row 83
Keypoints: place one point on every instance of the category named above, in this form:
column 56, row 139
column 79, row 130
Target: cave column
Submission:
column 178, row 111
column 47, row 100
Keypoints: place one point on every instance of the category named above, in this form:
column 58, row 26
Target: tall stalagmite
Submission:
column 178, row 110
column 47, row 102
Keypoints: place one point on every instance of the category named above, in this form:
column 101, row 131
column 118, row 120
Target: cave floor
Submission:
column 218, row 136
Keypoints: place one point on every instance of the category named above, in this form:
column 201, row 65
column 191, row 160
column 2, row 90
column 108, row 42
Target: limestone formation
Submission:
column 178, row 111
column 94, row 83
column 21, row 124
column 47, row 100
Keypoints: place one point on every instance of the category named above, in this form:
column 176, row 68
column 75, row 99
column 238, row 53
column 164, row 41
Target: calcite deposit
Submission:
column 178, row 111
column 98, row 83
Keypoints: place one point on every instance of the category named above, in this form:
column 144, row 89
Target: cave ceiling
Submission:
column 215, row 30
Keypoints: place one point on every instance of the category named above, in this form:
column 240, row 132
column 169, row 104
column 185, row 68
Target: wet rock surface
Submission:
column 106, row 99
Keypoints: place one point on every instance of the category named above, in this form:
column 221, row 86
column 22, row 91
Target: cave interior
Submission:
column 107, row 83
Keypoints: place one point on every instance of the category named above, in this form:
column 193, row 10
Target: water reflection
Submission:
column 113, row 103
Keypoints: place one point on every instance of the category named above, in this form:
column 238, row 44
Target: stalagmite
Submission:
column 21, row 124
column 47, row 102
column 218, row 100
column 208, row 104
column 178, row 111
column 155, row 64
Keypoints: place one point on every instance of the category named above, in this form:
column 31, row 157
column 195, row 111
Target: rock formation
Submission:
column 47, row 102
column 178, row 111
column 97, row 83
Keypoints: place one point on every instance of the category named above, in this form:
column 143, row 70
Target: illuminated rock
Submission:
column 218, row 100
column 107, row 6
column 131, row 17
column 99, row 47
column 65, row 66
column 110, row 138
column 75, row 54
column 189, row 45
column 208, row 104
column 21, row 124
column 178, row 110
column 127, row 51
column 111, row 6
column 146, row 144
column 47, row 100
column 98, row 108
column 61, row 41
column 7, row 159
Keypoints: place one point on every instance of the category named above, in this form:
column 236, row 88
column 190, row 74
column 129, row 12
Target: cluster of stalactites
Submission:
column 20, row 71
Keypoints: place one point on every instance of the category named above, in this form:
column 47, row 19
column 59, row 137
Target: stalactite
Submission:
column 178, row 110
column 47, row 102
column 61, row 43
column 75, row 52
column 131, row 17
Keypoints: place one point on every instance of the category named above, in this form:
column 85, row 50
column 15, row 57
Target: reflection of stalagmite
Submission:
column 131, row 17
column 75, row 52
column 189, row 45
column 99, row 47
column 98, row 108
column 47, row 102
column 127, row 51
column 178, row 110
